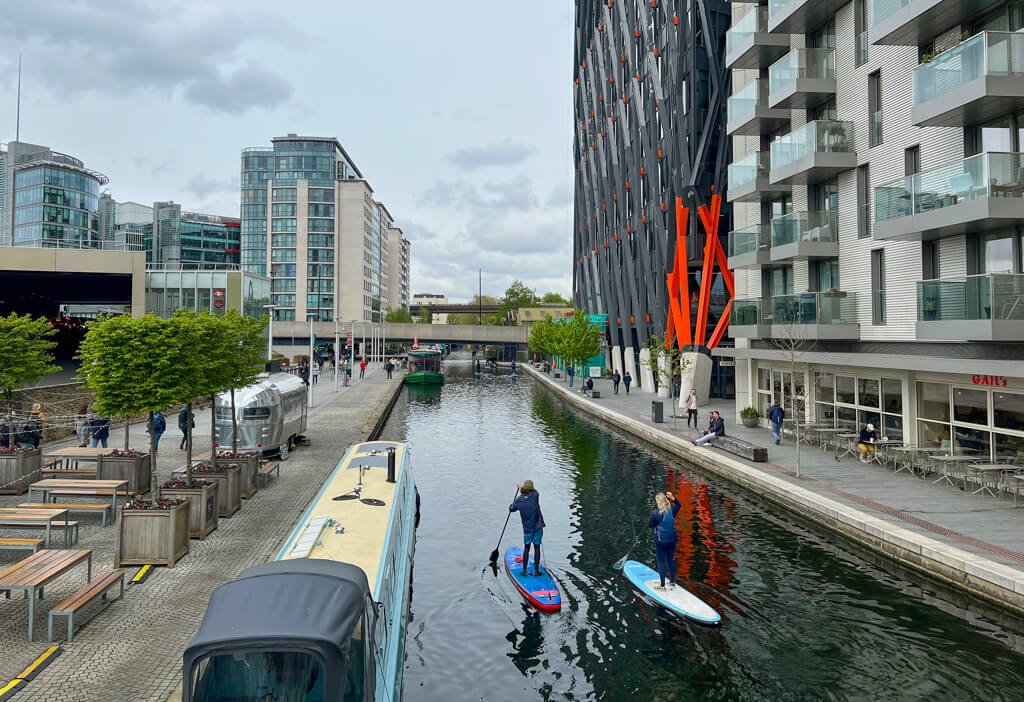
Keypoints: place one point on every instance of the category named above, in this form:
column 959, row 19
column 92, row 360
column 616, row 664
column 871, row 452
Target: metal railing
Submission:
column 984, row 54
column 990, row 174
column 804, row 226
column 749, row 239
column 777, row 7
column 748, row 169
column 835, row 307
column 801, row 63
column 746, row 100
column 995, row 296
column 884, row 9
column 746, row 312
column 821, row 136
column 744, row 29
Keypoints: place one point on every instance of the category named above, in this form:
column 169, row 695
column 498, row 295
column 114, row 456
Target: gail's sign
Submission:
column 996, row 381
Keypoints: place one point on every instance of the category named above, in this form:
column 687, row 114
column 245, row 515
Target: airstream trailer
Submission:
column 269, row 414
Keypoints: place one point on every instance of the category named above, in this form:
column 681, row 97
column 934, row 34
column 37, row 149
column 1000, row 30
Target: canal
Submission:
column 804, row 618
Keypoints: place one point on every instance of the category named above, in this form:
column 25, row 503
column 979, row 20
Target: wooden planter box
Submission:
column 18, row 470
column 250, row 464
column 203, row 507
column 151, row 536
column 228, row 479
column 137, row 470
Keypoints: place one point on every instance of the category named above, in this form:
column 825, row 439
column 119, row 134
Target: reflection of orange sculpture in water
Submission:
column 696, row 515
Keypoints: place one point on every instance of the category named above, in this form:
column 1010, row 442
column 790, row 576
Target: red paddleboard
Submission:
column 541, row 591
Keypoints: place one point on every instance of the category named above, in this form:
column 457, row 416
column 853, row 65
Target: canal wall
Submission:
column 994, row 582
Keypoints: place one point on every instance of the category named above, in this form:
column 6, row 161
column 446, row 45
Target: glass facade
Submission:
column 56, row 207
column 205, row 291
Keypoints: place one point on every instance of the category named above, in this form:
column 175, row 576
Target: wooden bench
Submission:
column 56, row 525
column 266, row 469
column 97, row 587
column 83, row 492
column 63, row 472
column 31, row 544
column 743, row 449
column 84, row 507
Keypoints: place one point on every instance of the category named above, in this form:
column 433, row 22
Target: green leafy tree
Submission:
column 426, row 316
column 211, row 370
column 542, row 337
column 577, row 338
column 474, row 317
column 516, row 295
column 553, row 298
column 25, row 356
column 248, row 359
column 400, row 316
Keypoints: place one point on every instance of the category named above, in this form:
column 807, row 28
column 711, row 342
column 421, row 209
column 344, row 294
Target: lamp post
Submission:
column 270, row 332
column 309, row 367
column 352, row 349
column 362, row 346
column 337, row 353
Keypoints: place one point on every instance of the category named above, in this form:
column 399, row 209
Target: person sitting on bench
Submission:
column 717, row 428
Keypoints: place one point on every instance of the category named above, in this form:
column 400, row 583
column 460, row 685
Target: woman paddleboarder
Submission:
column 528, row 506
column 663, row 521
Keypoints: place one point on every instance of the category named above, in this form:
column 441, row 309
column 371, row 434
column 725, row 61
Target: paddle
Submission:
column 494, row 553
column 622, row 561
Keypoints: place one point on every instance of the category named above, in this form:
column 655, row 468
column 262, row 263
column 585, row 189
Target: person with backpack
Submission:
column 776, row 416
column 100, row 431
column 626, row 380
column 159, row 427
column 82, row 426
column 184, row 425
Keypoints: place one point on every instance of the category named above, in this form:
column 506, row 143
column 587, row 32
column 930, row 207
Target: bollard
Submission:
column 391, row 465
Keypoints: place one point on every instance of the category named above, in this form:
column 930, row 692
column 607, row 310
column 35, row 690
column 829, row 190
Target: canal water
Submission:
column 804, row 619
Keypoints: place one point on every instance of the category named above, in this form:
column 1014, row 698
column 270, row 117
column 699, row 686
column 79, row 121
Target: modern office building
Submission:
column 172, row 237
column 398, row 270
column 48, row 199
column 214, row 289
column 107, row 218
column 309, row 219
column 878, row 190
column 649, row 93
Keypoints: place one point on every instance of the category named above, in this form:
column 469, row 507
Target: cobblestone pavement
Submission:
column 131, row 649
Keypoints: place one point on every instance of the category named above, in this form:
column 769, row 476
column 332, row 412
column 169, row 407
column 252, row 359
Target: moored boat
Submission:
column 424, row 367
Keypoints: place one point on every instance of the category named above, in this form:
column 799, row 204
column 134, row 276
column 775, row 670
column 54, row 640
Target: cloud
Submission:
column 501, row 154
column 489, row 197
column 202, row 186
column 133, row 47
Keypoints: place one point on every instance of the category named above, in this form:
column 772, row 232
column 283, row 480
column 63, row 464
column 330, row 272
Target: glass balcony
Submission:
column 748, row 43
column 802, row 78
column 748, row 112
column 980, row 193
column 800, row 16
column 916, row 22
column 804, row 235
column 748, row 179
column 750, row 246
column 978, row 80
column 986, row 307
column 815, row 315
column 817, row 151
column 747, row 320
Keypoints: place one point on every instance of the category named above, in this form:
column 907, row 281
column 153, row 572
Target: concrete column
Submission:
column 646, row 371
column 617, row 359
column 697, row 374
column 629, row 365
column 664, row 376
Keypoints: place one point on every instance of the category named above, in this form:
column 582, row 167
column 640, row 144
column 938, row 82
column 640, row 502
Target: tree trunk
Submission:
column 234, row 421
column 152, row 459
column 796, row 414
column 127, row 425
column 188, row 445
column 213, row 430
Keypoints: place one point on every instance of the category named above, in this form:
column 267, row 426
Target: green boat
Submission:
column 424, row 367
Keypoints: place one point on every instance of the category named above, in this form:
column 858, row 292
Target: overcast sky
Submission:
column 458, row 112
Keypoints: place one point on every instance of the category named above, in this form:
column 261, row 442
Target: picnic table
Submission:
column 83, row 487
column 35, row 572
column 24, row 516
column 74, row 454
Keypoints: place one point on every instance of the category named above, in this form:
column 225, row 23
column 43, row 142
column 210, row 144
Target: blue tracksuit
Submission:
column 665, row 538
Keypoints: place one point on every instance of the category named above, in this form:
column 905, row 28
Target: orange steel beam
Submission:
column 682, row 219
column 678, row 325
column 705, row 278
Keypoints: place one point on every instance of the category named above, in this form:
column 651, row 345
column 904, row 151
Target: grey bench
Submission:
column 743, row 449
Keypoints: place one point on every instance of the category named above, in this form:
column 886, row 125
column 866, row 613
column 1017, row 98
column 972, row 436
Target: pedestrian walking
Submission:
column 362, row 368
column 626, row 380
column 589, row 385
column 663, row 521
column 775, row 416
column 82, row 428
column 184, row 425
column 159, row 427
column 616, row 379
column 715, row 429
column 100, row 431
column 316, row 372
column 388, row 367
column 528, row 506
column 691, row 408
column 572, row 372
column 36, row 418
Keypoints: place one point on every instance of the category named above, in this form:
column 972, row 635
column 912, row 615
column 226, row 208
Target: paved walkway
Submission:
column 983, row 526
column 132, row 649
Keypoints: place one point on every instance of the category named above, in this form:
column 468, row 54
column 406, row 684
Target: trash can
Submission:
column 657, row 411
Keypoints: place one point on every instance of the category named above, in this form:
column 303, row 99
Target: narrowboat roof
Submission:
column 424, row 352
column 309, row 603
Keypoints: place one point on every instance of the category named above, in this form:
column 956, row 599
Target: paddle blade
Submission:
column 620, row 563
column 494, row 556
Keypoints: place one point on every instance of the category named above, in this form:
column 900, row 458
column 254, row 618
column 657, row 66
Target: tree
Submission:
column 248, row 359
column 791, row 346
column 211, row 371
column 577, row 338
column 516, row 295
column 553, row 298
column 25, row 356
column 542, row 337
column 426, row 316
column 473, row 317
column 400, row 316
column 670, row 372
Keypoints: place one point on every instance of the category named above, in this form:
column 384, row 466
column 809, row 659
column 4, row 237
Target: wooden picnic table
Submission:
column 35, row 572
column 74, row 454
column 87, row 487
column 30, row 516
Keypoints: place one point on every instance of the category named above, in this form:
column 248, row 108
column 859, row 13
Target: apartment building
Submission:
column 877, row 186
column 398, row 269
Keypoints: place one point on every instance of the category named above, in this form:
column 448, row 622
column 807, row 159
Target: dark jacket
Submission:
column 664, row 525
column 528, row 507
column 183, row 420
column 616, row 378
column 777, row 414
column 627, row 379
column 717, row 427
column 100, row 427
column 571, row 371
column 590, row 383
column 159, row 423
column 867, row 436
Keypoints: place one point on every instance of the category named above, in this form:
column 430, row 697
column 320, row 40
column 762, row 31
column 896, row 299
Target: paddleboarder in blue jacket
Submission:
column 663, row 521
column 528, row 506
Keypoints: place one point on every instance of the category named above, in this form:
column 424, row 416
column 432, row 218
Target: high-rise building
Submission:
column 877, row 184
column 649, row 101
column 327, row 248
column 398, row 269
column 107, row 218
column 48, row 199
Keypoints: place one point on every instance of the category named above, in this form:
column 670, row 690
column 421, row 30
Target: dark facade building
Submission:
column 650, row 92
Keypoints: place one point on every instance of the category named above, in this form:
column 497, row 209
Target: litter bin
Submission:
column 657, row 411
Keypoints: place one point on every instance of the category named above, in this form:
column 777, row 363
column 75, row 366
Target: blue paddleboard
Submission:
column 539, row 590
column 673, row 597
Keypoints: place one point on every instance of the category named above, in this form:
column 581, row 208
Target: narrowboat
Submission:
column 325, row 621
column 424, row 367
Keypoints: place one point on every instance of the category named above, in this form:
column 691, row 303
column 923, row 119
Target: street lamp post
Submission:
column 337, row 353
column 270, row 332
column 309, row 367
column 362, row 346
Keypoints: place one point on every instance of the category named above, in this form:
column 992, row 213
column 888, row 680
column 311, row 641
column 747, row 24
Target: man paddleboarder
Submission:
column 528, row 506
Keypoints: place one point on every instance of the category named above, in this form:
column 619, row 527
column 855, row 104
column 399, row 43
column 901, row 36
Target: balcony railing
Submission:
column 837, row 307
column 801, row 63
column 777, row 7
column 749, row 239
column 804, row 226
column 991, row 174
column 985, row 54
column 823, row 136
column 993, row 296
column 746, row 312
column 743, row 104
column 749, row 169
column 884, row 9
column 754, row 22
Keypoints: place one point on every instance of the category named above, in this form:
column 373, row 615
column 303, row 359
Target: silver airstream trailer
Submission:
column 270, row 414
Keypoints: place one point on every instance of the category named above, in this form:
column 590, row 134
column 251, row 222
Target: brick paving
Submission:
column 131, row 649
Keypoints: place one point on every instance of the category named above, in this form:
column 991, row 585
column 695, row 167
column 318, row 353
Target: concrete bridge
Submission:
column 291, row 338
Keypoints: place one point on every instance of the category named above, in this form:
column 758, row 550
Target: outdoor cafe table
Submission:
column 98, row 487
column 911, row 452
column 986, row 469
column 850, row 448
column 74, row 454
column 33, row 573
column 28, row 516
column 948, row 460
column 881, row 445
column 823, row 434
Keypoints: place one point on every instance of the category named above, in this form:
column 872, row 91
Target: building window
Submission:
column 912, row 160
column 283, row 210
column 849, row 402
column 929, row 260
column 878, row 286
column 284, row 194
column 863, row 202
column 875, row 108
column 860, row 20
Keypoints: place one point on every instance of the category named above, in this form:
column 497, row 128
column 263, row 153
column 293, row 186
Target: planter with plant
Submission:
column 152, row 532
column 202, row 496
column 131, row 465
column 749, row 417
column 228, row 477
column 249, row 461
column 18, row 468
